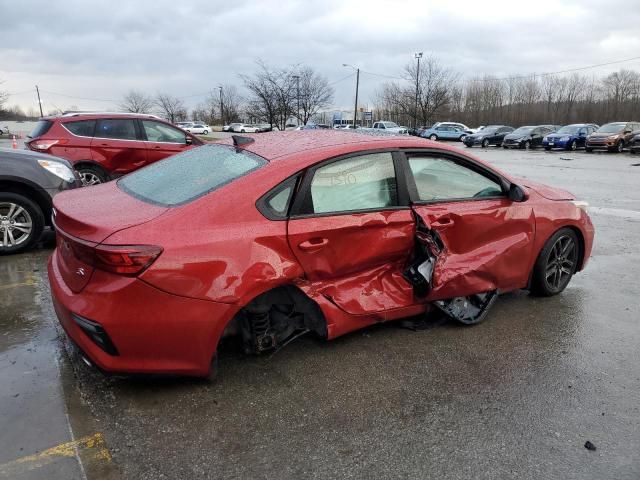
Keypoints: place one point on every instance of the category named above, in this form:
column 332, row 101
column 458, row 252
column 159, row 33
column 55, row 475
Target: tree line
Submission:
column 418, row 97
column 442, row 94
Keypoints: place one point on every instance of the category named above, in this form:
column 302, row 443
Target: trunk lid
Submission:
column 87, row 216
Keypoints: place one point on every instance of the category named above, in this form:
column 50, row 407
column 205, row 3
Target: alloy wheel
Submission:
column 485, row 143
column 574, row 145
column 89, row 178
column 16, row 225
column 561, row 263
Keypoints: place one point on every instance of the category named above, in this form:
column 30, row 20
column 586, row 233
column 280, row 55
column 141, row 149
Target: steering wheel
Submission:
column 487, row 192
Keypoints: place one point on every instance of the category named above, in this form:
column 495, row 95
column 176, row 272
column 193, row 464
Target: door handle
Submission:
column 313, row 244
column 442, row 223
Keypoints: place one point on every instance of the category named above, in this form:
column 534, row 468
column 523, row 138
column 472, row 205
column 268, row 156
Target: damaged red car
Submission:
column 290, row 233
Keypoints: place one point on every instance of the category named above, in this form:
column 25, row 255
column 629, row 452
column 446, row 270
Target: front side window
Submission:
column 188, row 175
column 159, row 132
column 366, row 182
column 116, row 128
column 442, row 179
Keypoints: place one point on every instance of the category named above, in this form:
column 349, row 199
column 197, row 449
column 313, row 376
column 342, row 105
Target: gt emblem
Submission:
column 80, row 271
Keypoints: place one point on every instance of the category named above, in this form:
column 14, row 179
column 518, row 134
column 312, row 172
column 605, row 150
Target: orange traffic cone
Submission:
column 14, row 144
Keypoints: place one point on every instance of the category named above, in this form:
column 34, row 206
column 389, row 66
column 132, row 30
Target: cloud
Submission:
column 102, row 49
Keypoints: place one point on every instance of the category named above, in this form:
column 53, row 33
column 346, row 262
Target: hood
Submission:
column 559, row 135
column 550, row 193
column 94, row 213
column 516, row 136
column 603, row 135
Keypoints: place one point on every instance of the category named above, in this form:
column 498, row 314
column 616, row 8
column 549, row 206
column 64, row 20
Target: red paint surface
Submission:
column 220, row 252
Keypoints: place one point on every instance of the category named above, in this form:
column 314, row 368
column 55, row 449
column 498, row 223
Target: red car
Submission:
column 104, row 146
column 298, row 232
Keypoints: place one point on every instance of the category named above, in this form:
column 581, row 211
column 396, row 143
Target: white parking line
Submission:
column 615, row 212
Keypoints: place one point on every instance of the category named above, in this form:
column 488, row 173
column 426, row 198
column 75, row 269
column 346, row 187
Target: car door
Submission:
column 486, row 237
column 582, row 136
column 117, row 146
column 352, row 232
column 536, row 136
column 162, row 140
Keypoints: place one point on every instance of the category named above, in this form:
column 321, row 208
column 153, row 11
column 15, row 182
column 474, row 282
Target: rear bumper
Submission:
column 153, row 331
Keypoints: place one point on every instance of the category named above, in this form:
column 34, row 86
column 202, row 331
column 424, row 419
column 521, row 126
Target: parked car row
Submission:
column 194, row 127
column 247, row 127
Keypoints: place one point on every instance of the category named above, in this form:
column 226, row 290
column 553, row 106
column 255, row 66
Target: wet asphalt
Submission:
column 516, row 396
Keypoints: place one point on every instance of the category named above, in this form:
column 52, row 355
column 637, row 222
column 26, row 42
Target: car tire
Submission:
column 505, row 147
column 31, row 213
column 243, row 131
column 91, row 175
column 547, row 148
column 619, row 146
column 462, row 137
column 573, row 146
column 485, row 143
column 556, row 264
column 527, row 145
column 588, row 149
column 433, row 137
column 205, row 132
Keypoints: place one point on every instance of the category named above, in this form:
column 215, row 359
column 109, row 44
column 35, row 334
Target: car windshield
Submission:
column 569, row 129
column 611, row 128
column 522, row 131
column 390, row 124
column 188, row 175
column 488, row 130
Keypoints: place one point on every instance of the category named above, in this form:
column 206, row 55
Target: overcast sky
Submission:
column 102, row 49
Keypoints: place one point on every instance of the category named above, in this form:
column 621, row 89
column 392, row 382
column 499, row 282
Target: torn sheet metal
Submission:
column 428, row 248
column 468, row 310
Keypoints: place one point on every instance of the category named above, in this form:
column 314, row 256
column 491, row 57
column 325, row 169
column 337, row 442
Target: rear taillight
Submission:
column 127, row 260
column 45, row 144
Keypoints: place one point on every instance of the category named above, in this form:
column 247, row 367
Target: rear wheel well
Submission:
column 275, row 317
column 87, row 163
column 32, row 193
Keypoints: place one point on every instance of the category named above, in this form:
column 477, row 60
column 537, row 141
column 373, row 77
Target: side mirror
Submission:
column 627, row 131
column 517, row 193
column 188, row 140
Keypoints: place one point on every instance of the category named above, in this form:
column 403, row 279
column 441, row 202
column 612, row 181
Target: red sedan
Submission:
column 298, row 232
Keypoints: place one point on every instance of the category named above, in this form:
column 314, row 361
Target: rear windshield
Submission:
column 188, row 175
column 41, row 128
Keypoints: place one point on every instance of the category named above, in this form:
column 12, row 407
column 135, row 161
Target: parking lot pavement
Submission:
column 516, row 396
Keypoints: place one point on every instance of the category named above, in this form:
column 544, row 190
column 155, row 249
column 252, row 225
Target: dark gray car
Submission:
column 28, row 182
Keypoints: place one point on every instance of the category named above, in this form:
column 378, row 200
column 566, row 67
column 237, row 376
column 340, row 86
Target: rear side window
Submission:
column 188, row 175
column 83, row 128
column 41, row 128
column 366, row 182
column 116, row 128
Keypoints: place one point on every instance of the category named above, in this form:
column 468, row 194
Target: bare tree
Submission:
column 272, row 95
column 434, row 82
column 231, row 103
column 136, row 102
column 4, row 96
column 172, row 108
column 314, row 93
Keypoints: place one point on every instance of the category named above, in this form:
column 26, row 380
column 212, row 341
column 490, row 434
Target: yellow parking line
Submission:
column 94, row 446
column 28, row 283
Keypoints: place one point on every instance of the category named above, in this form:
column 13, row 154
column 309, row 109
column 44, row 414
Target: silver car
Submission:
column 28, row 182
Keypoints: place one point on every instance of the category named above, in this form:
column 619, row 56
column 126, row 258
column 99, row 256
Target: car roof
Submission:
column 278, row 146
column 71, row 116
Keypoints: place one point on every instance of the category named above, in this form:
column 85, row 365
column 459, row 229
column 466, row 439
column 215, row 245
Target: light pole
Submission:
column 39, row 101
column 221, row 106
column 355, row 110
column 297, row 77
column 418, row 56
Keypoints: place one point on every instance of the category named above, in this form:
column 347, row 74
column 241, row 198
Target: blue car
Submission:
column 569, row 137
column 445, row 132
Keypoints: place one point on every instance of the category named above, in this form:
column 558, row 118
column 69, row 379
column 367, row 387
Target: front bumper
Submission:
column 153, row 331
column 607, row 144
column 555, row 143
